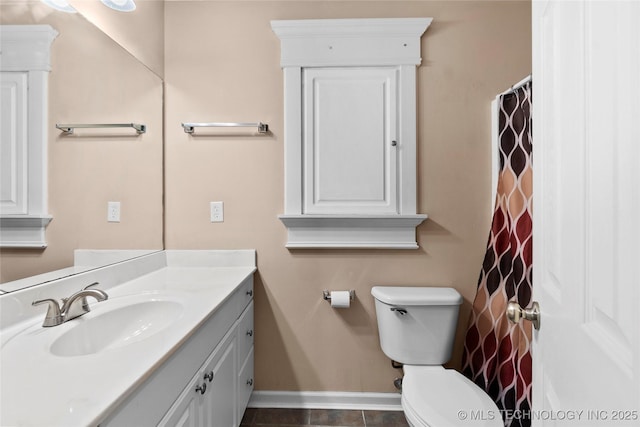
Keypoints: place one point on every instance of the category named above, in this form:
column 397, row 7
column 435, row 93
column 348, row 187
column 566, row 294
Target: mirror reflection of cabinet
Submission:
column 350, row 131
column 24, row 71
column 92, row 80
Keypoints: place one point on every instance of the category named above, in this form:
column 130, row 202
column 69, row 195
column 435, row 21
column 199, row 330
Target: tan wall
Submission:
column 140, row 32
column 222, row 64
column 93, row 80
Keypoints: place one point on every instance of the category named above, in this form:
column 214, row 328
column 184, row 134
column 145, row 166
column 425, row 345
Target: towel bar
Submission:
column 190, row 127
column 68, row 129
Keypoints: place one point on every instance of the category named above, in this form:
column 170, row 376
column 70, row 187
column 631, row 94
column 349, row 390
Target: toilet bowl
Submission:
column 417, row 328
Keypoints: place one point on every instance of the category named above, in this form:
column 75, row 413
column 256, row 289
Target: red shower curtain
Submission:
column 497, row 353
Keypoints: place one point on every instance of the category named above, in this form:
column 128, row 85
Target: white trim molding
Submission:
column 392, row 45
column 326, row 400
column 26, row 50
column 350, row 42
column 23, row 231
column 355, row 231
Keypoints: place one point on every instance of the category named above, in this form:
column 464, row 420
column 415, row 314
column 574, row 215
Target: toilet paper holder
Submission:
column 326, row 295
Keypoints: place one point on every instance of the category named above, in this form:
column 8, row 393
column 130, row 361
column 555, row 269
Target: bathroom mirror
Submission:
column 93, row 80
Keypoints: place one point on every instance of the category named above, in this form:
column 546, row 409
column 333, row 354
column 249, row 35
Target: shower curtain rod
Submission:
column 516, row 86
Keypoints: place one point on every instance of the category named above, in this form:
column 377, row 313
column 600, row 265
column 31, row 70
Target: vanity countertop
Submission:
column 40, row 387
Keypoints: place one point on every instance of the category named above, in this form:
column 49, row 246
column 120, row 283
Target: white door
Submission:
column 586, row 113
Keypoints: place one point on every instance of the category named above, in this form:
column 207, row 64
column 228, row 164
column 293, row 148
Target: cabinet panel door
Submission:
column 349, row 140
column 219, row 404
column 185, row 411
column 245, row 383
column 13, row 149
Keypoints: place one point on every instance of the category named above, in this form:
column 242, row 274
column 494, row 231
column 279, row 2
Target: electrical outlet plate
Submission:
column 113, row 211
column 217, row 212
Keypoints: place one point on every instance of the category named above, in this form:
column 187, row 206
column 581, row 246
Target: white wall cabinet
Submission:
column 208, row 381
column 24, row 73
column 350, row 131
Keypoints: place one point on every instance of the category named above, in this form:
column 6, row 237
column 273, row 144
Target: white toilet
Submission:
column 417, row 327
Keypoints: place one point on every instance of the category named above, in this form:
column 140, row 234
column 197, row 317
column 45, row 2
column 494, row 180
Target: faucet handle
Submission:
column 53, row 317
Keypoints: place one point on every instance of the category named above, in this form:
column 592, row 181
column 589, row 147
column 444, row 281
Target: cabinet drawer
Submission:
column 245, row 293
column 245, row 384
column 245, row 333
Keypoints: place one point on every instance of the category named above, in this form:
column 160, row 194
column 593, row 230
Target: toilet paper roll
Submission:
column 340, row 299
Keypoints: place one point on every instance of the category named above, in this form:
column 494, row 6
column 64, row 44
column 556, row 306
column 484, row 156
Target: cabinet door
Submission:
column 219, row 402
column 210, row 398
column 185, row 411
column 13, row 149
column 350, row 140
column 245, row 383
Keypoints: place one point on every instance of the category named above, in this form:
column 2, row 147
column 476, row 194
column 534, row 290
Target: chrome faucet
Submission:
column 74, row 306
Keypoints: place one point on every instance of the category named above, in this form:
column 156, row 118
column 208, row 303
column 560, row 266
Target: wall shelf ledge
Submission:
column 352, row 231
column 23, row 231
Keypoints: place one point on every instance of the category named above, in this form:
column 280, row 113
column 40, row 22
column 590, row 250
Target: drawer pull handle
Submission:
column 250, row 292
column 202, row 389
column 209, row 376
column 250, row 381
column 250, row 332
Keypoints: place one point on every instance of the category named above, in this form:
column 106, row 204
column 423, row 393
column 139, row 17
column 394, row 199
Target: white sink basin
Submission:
column 112, row 328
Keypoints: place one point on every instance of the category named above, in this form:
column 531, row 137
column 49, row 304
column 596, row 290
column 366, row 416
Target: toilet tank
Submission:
column 417, row 325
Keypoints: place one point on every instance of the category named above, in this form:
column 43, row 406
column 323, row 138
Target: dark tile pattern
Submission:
column 334, row 417
column 272, row 417
column 385, row 419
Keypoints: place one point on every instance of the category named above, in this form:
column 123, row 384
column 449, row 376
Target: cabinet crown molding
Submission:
column 26, row 47
column 350, row 42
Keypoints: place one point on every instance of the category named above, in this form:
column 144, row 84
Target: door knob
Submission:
column 515, row 313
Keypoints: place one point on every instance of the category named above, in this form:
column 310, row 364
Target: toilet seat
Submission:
column 436, row 397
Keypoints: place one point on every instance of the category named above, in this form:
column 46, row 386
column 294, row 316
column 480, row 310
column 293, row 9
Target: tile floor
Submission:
column 321, row 418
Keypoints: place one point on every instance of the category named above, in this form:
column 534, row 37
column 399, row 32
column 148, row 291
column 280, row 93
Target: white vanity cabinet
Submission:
column 208, row 381
column 218, row 394
column 209, row 398
column 244, row 334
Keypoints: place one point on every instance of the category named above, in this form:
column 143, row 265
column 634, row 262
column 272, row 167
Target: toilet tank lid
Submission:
column 412, row 295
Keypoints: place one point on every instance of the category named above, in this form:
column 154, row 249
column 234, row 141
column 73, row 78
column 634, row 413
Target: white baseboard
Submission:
column 325, row 400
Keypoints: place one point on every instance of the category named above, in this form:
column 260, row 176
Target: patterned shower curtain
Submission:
column 497, row 353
